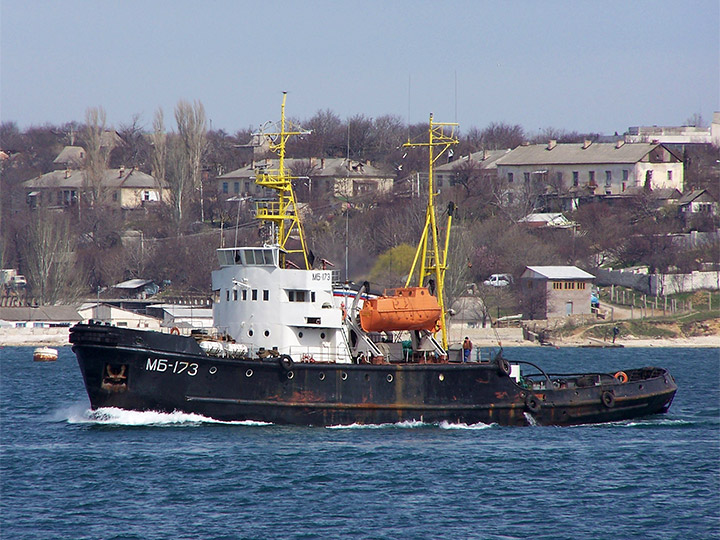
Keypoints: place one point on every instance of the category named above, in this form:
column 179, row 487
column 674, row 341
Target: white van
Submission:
column 499, row 280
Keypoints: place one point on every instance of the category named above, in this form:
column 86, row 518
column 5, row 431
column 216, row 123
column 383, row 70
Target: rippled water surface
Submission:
column 70, row 473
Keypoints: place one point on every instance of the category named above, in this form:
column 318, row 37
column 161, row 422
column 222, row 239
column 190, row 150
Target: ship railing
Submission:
column 330, row 355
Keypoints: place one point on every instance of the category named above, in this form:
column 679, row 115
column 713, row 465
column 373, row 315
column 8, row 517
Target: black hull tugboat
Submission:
column 290, row 348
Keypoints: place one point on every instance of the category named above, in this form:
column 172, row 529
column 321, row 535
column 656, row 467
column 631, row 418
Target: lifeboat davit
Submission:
column 407, row 308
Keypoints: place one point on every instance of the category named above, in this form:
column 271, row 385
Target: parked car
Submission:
column 498, row 280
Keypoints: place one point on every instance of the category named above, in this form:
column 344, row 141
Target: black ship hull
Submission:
column 143, row 371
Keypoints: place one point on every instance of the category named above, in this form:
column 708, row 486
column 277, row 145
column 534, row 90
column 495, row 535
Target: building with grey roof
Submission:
column 598, row 168
column 555, row 291
column 125, row 188
column 483, row 162
column 322, row 177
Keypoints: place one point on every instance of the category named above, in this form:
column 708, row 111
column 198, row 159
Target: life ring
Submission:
column 308, row 358
column 175, row 330
column 503, row 366
column 608, row 399
column 532, row 403
column 286, row 362
column 622, row 377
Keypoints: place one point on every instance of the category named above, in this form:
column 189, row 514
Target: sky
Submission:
column 587, row 66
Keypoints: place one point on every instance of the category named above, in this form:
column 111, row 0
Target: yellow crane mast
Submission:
column 432, row 258
column 283, row 212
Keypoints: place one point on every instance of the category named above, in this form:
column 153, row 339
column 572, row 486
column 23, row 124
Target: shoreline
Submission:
column 697, row 342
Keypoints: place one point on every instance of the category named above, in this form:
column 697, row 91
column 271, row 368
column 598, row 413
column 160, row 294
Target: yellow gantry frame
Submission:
column 283, row 213
column 433, row 258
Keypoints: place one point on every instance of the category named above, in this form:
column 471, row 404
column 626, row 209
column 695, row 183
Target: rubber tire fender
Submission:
column 503, row 366
column 532, row 403
column 286, row 362
column 608, row 399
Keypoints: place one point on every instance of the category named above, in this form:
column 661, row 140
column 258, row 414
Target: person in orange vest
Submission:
column 467, row 348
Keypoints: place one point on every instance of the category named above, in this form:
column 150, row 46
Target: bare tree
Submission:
column 45, row 247
column 192, row 128
column 159, row 153
column 499, row 135
column 96, row 154
column 178, row 176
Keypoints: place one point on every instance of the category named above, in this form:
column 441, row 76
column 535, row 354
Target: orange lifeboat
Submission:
column 407, row 308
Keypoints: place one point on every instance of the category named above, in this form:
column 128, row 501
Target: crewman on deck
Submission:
column 467, row 348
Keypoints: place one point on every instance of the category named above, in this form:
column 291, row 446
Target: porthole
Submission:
column 290, row 374
column 322, row 335
column 389, row 378
column 250, row 333
column 441, row 377
column 213, row 370
column 343, row 376
column 322, row 376
column 300, row 334
column 267, row 333
column 249, row 373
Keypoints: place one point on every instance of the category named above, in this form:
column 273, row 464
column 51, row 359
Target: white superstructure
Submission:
column 282, row 310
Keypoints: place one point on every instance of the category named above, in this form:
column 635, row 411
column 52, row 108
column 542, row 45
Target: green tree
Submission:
column 392, row 267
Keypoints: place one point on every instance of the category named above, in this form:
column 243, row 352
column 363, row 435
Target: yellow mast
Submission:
column 283, row 213
column 433, row 258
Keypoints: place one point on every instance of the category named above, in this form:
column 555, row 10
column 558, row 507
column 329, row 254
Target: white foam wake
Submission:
column 110, row 416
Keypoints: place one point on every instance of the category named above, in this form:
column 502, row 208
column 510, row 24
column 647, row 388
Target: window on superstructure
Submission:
column 227, row 295
column 266, row 295
column 298, row 296
column 254, row 295
column 244, row 295
column 235, row 295
column 312, row 296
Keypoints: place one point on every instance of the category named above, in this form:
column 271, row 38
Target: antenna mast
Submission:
column 431, row 257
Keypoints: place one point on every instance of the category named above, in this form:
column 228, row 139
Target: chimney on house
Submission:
column 322, row 163
column 121, row 171
column 552, row 144
column 586, row 144
column 485, row 154
column 620, row 143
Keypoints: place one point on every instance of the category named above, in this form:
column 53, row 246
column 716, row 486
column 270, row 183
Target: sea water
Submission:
column 69, row 473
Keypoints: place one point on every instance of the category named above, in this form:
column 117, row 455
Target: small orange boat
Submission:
column 406, row 308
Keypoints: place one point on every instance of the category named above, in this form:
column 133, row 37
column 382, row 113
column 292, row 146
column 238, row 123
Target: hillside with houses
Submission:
column 122, row 222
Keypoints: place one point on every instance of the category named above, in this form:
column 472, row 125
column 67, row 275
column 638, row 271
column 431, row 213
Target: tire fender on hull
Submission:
column 286, row 362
